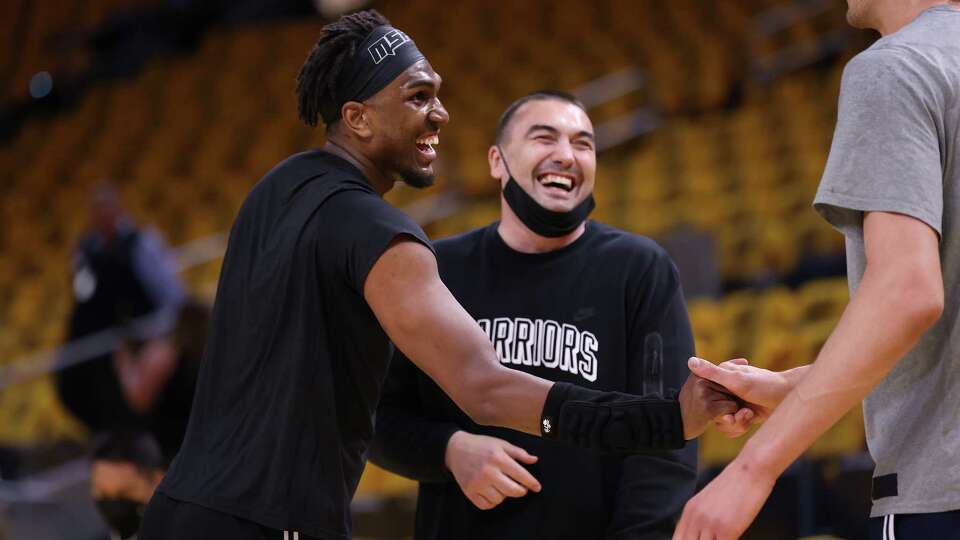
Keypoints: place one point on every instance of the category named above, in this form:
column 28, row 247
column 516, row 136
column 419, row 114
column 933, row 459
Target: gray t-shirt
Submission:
column 897, row 149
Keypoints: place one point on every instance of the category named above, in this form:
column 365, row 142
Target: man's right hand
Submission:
column 488, row 469
column 701, row 401
column 751, row 384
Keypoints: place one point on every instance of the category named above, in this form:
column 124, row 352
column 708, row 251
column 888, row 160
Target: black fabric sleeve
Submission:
column 611, row 421
column 365, row 225
column 406, row 440
column 654, row 487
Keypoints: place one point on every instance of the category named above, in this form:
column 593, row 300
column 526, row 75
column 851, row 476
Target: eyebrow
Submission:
column 421, row 81
column 555, row 131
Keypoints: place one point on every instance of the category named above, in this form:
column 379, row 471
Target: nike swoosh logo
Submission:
column 584, row 313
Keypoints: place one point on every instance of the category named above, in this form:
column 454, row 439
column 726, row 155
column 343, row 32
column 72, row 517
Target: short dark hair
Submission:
column 334, row 48
column 539, row 95
column 137, row 447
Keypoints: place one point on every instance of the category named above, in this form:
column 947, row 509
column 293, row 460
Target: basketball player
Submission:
column 544, row 287
column 890, row 186
column 319, row 273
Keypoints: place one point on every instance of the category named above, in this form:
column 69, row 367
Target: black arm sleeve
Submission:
column 406, row 440
column 653, row 488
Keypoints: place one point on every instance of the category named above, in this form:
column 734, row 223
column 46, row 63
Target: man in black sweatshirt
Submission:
column 565, row 299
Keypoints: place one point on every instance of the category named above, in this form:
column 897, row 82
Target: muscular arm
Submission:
column 425, row 322
column 899, row 298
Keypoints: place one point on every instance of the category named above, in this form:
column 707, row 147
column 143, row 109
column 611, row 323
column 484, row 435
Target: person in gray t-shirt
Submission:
column 891, row 187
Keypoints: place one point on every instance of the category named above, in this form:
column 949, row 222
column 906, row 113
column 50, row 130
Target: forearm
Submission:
column 881, row 323
column 501, row 396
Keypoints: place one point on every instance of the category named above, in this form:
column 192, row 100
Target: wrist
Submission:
column 757, row 461
column 456, row 438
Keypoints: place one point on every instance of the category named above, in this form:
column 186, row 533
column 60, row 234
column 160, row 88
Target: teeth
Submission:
column 431, row 140
column 556, row 179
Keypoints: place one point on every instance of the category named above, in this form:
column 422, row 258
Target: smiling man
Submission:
column 563, row 298
column 320, row 276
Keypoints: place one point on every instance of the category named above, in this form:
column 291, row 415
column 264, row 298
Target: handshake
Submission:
column 732, row 395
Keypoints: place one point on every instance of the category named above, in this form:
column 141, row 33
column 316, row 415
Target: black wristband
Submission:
column 611, row 421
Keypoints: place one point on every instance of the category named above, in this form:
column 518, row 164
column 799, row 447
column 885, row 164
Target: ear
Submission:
column 355, row 117
column 497, row 170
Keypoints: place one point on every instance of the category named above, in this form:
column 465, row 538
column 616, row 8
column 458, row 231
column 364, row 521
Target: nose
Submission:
column 563, row 154
column 439, row 114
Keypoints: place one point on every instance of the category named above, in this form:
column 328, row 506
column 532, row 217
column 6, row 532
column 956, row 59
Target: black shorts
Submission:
column 939, row 526
column 170, row 519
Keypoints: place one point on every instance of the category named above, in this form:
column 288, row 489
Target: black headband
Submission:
column 382, row 56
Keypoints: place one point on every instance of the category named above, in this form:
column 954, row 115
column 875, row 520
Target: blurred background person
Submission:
column 127, row 467
column 124, row 280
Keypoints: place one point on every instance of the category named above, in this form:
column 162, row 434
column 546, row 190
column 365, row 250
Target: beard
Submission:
column 417, row 178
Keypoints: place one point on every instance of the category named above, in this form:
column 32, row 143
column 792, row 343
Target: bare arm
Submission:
column 425, row 322
column 899, row 298
column 143, row 377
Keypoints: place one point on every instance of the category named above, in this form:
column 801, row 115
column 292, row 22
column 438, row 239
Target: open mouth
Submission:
column 553, row 180
column 425, row 145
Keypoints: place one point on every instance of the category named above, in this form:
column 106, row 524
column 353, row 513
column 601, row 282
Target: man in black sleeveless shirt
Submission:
column 561, row 298
column 320, row 275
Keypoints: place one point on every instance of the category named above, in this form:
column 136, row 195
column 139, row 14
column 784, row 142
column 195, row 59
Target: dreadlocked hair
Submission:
column 335, row 47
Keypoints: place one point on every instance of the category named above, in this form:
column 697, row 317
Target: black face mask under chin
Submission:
column 121, row 515
column 541, row 220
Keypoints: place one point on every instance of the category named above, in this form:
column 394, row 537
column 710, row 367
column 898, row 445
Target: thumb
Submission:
column 706, row 370
column 519, row 454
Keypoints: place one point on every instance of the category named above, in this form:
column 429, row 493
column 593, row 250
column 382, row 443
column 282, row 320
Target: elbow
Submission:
column 484, row 410
column 929, row 310
column 489, row 414
column 922, row 301
column 481, row 403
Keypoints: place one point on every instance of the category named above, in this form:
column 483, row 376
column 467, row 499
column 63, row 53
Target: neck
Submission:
column 894, row 15
column 380, row 181
column 519, row 238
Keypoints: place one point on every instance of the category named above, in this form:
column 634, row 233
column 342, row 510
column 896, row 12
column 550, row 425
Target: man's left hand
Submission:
column 725, row 508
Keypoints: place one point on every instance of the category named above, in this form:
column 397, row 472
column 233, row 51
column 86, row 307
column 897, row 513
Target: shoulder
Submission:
column 459, row 245
column 889, row 66
column 638, row 251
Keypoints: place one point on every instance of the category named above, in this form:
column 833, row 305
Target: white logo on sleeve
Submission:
column 543, row 342
column 387, row 45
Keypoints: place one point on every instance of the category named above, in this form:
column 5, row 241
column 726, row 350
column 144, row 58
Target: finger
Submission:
column 520, row 475
column 706, row 370
column 493, row 495
column 504, row 484
column 519, row 454
column 725, row 420
column 717, row 391
column 720, row 408
column 744, row 416
column 481, row 502
column 681, row 529
column 732, row 364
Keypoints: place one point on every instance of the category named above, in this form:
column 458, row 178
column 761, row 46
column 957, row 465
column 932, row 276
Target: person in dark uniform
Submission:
column 569, row 300
column 319, row 276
